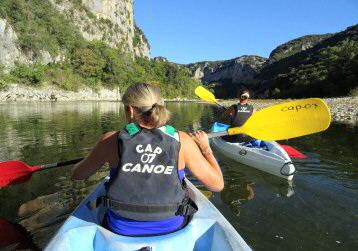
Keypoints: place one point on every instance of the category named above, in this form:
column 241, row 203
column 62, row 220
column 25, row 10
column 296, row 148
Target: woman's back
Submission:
column 150, row 155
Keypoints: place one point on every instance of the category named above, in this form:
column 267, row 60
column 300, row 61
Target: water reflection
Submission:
column 42, row 216
column 235, row 195
column 46, row 132
column 55, row 128
column 318, row 207
column 240, row 187
column 331, row 154
column 287, row 189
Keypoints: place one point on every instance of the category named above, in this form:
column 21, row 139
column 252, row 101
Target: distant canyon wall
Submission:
column 238, row 70
column 299, row 58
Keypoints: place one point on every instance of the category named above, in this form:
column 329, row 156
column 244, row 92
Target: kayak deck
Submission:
column 208, row 230
column 274, row 161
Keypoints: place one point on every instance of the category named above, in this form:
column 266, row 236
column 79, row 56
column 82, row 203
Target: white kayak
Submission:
column 273, row 159
column 208, row 230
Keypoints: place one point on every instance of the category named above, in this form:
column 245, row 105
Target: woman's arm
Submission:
column 200, row 160
column 105, row 150
column 228, row 114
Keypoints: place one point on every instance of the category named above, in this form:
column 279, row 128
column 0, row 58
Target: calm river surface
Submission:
column 317, row 211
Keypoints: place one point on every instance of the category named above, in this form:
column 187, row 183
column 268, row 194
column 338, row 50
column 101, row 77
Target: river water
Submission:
column 317, row 211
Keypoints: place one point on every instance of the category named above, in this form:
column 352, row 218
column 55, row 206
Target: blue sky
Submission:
column 189, row 31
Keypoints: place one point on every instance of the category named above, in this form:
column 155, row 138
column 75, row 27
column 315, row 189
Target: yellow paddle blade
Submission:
column 287, row 120
column 205, row 95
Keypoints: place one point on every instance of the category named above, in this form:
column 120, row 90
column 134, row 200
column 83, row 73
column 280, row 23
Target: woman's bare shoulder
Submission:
column 109, row 135
column 187, row 141
column 184, row 136
column 108, row 138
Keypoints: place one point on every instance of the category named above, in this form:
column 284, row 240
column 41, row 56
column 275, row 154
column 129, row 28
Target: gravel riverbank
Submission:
column 342, row 109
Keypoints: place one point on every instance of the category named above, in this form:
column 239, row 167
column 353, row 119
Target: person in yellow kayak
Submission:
column 237, row 114
column 146, row 193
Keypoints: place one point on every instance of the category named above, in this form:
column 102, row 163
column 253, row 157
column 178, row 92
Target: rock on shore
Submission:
column 50, row 93
column 24, row 93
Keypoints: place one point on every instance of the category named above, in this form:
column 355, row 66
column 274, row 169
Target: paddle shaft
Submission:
column 59, row 164
column 221, row 105
column 217, row 134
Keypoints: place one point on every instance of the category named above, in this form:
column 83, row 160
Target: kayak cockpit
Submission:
column 208, row 230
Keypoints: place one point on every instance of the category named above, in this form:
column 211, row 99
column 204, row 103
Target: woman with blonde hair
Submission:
column 146, row 194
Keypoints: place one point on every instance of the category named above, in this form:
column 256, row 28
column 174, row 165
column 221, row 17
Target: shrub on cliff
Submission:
column 3, row 84
column 31, row 75
column 40, row 26
column 64, row 78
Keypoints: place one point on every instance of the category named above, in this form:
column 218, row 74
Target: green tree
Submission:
column 88, row 63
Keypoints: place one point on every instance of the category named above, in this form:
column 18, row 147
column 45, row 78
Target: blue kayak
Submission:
column 208, row 230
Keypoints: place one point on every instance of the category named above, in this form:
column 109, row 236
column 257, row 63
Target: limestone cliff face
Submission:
column 9, row 52
column 142, row 48
column 241, row 70
column 108, row 20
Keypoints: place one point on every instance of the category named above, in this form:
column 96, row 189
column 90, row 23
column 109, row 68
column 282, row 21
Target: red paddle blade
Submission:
column 293, row 153
column 14, row 172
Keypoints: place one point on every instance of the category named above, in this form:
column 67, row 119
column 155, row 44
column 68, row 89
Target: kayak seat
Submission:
column 219, row 127
column 260, row 144
column 82, row 231
column 202, row 234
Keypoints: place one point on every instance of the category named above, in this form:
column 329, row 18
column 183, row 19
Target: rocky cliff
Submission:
column 108, row 20
column 228, row 74
column 9, row 53
column 238, row 70
column 313, row 65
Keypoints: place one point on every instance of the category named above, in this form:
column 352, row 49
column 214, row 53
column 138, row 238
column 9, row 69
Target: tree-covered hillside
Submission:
column 313, row 65
column 295, row 46
column 40, row 26
column 327, row 69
